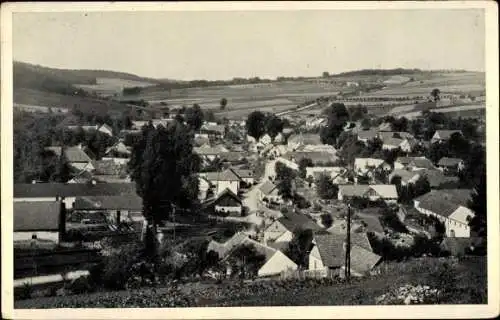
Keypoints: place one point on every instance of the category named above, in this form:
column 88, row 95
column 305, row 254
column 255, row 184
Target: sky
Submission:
column 187, row 45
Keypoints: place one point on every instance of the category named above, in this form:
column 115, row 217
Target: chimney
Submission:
column 62, row 222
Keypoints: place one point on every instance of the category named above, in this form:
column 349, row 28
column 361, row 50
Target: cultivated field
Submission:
column 111, row 86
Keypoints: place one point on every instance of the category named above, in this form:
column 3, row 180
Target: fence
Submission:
column 309, row 274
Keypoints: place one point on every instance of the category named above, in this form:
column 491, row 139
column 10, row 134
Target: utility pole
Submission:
column 348, row 245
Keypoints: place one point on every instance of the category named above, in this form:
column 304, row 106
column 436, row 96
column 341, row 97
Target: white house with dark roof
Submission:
column 413, row 163
column 223, row 180
column 269, row 191
column 329, row 252
column 43, row 221
column 275, row 262
column 449, row 206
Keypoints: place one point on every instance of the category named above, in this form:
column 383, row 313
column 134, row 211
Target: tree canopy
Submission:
column 194, row 117
column 163, row 166
column 255, row 124
column 337, row 117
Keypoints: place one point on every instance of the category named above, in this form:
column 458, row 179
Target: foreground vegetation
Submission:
column 461, row 281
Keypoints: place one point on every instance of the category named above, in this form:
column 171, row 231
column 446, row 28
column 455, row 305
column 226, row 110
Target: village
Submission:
column 284, row 203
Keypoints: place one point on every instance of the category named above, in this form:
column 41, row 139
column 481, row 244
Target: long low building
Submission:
column 374, row 192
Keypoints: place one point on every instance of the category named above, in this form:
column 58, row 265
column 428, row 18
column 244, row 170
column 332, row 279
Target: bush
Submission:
column 25, row 292
column 118, row 267
column 326, row 220
column 81, row 285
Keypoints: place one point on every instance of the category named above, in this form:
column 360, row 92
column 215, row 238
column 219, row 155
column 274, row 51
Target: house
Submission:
column 40, row 220
column 438, row 180
column 265, row 140
column 278, row 151
column 208, row 153
column 137, row 125
column 386, row 192
column 280, row 232
column 268, row 191
column 228, row 202
column 337, row 174
column 329, row 251
column 245, row 175
column 117, row 208
column 443, row 135
column 104, row 128
column 323, row 148
column 451, row 166
column 233, row 157
column 223, row 180
column 75, row 156
column 383, row 135
column 275, row 262
column 213, row 131
column 450, row 207
column 413, row 163
column 67, row 192
column 298, row 140
column 407, row 177
column 317, row 157
column 392, row 143
column 369, row 166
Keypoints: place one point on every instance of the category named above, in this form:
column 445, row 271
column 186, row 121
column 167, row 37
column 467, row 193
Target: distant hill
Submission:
column 380, row 72
column 64, row 81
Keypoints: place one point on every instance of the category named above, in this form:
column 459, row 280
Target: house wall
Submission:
column 68, row 201
column 398, row 165
column 315, row 262
column 453, row 227
column 228, row 209
column 41, row 235
column 248, row 180
column 405, row 146
column 276, row 264
column 121, row 161
column 234, row 186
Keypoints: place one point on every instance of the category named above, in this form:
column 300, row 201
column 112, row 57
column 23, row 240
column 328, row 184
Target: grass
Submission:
column 469, row 287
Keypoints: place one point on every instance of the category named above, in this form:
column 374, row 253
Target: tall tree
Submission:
column 274, row 125
column 478, row 205
column 255, row 124
column 300, row 246
column 326, row 189
column 337, row 117
column 435, row 94
column 194, row 117
column 223, row 103
column 162, row 165
column 303, row 164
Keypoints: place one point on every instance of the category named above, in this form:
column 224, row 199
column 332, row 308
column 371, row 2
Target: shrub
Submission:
column 81, row 285
column 25, row 292
column 118, row 267
column 326, row 220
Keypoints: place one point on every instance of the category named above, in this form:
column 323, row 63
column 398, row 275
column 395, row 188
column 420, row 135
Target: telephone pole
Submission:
column 348, row 245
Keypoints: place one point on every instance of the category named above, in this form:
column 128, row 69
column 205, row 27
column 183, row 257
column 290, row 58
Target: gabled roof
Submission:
column 232, row 156
column 227, row 193
column 72, row 154
column 363, row 163
column 393, row 142
column 446, row 134
column 306, row 138
column 226, row 175
column 363, row 260
column 394, row 134
column 404, row 174
column 419, row 162
column 75, row 154
column 444, row 202
column 332, row 252
column 37, row 216
column 267, row 187
column 437, row 178
column 449, row 162
column 44, row 190
column 243, row 173
column 127, row 202
column 293, row 221
column 386, row 191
